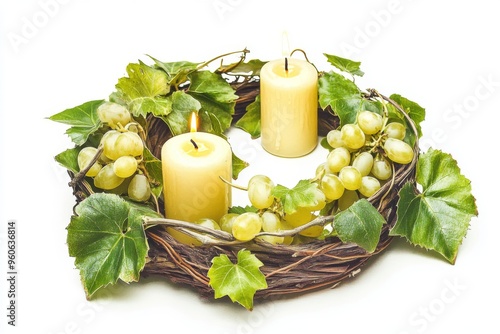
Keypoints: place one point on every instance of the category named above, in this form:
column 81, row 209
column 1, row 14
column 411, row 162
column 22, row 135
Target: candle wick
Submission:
column 194, row 144
column 286, row 64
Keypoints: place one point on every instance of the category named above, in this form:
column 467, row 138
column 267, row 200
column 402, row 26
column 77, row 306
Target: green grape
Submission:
column 207, row 222
column 246, row 226
column 334, row 138
column 128, row 143
column 108, row 143
column 350, row 177
column 348, row 199
column 398, row 151
column 337, row 159
column 84, row 157
column 113, row 114
column 226, row 222
column 260, row 191
column 139, row 189
column 272, row 239
column 270, row 222
column 332, row 187
column 395, row 130
column 299, row 217
column 364, row 163
column 370, row 122
column 320, row 171
column 107, row 179
column 352, row 136
column 287, row 240
column 125, row 166
column 382, row 169
column 369, row 186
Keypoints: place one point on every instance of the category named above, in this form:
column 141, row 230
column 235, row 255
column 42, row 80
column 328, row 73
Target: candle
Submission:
column 289, row 107
column 192, row 164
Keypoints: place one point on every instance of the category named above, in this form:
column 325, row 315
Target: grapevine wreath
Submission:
column 374, row 184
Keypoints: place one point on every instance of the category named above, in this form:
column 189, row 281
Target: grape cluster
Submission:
column 362, row 158
column 117, row 168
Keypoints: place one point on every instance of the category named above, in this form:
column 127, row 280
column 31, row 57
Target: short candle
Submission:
column 193, row 164
column 289, row 107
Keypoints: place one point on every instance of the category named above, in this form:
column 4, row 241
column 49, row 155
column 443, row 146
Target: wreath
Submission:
column 374, row 184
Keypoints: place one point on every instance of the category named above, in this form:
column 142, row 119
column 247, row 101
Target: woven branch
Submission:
column 289, row 269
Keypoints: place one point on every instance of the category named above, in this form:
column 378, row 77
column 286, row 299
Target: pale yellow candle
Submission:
column 192, row 166
column 289, row 107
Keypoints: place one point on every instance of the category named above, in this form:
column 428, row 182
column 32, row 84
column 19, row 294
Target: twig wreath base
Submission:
column 288, row 269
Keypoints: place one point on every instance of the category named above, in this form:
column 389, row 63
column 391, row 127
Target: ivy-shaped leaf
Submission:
column 154, row 168
column 416, row 113
column 304, row 195
column 345, row 65
column 342, row 95
column 182, row 107
column 215, row 95
column 144, row 90
column 437, row 218
column 238, row 166
column 177, row 72
column 250, row 122
column 361, row 224
column 83, row 120
column 239, row 281
column 69, row 159
column 106, row 237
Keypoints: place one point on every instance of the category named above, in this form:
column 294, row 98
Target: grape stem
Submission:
column 81, row 174
column 232, row 184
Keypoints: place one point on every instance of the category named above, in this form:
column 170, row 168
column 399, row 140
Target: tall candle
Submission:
column 289, row 107
column 192, row 166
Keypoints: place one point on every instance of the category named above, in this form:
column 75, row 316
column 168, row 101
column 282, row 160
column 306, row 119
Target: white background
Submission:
column 57, row 54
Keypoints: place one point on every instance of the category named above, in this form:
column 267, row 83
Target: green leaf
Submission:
column 239, row 281
column 177, row 72
column 361, row 224
column 240, row 210
column 182, row 107
column 342, row 95
column 69, row 159
column 250, row 122
column 83, row 120
column 305, row 194
column 414, row 110
column 144, row 90
column 106, row 237
column 238, row 166
column 215, row 95
column 437, row 218
column 154, row 168
column 250, row 68
column 345, row 65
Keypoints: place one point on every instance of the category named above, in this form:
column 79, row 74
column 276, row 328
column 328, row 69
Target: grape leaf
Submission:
column 342, row 95
column 361, row 224
column 437, row 218
column 106, row 237
column 416, row 113
column 83, row 120
column 69, row 159
column 238, row 166
column 144, row 90
column 345, row 65
column 240, row 210
column 239, row 281
column 250, row 122
column 177, row 72
column 182, row 107
column 250, row 68
column 154, row 169
column 305, row 194
column 215, row 95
